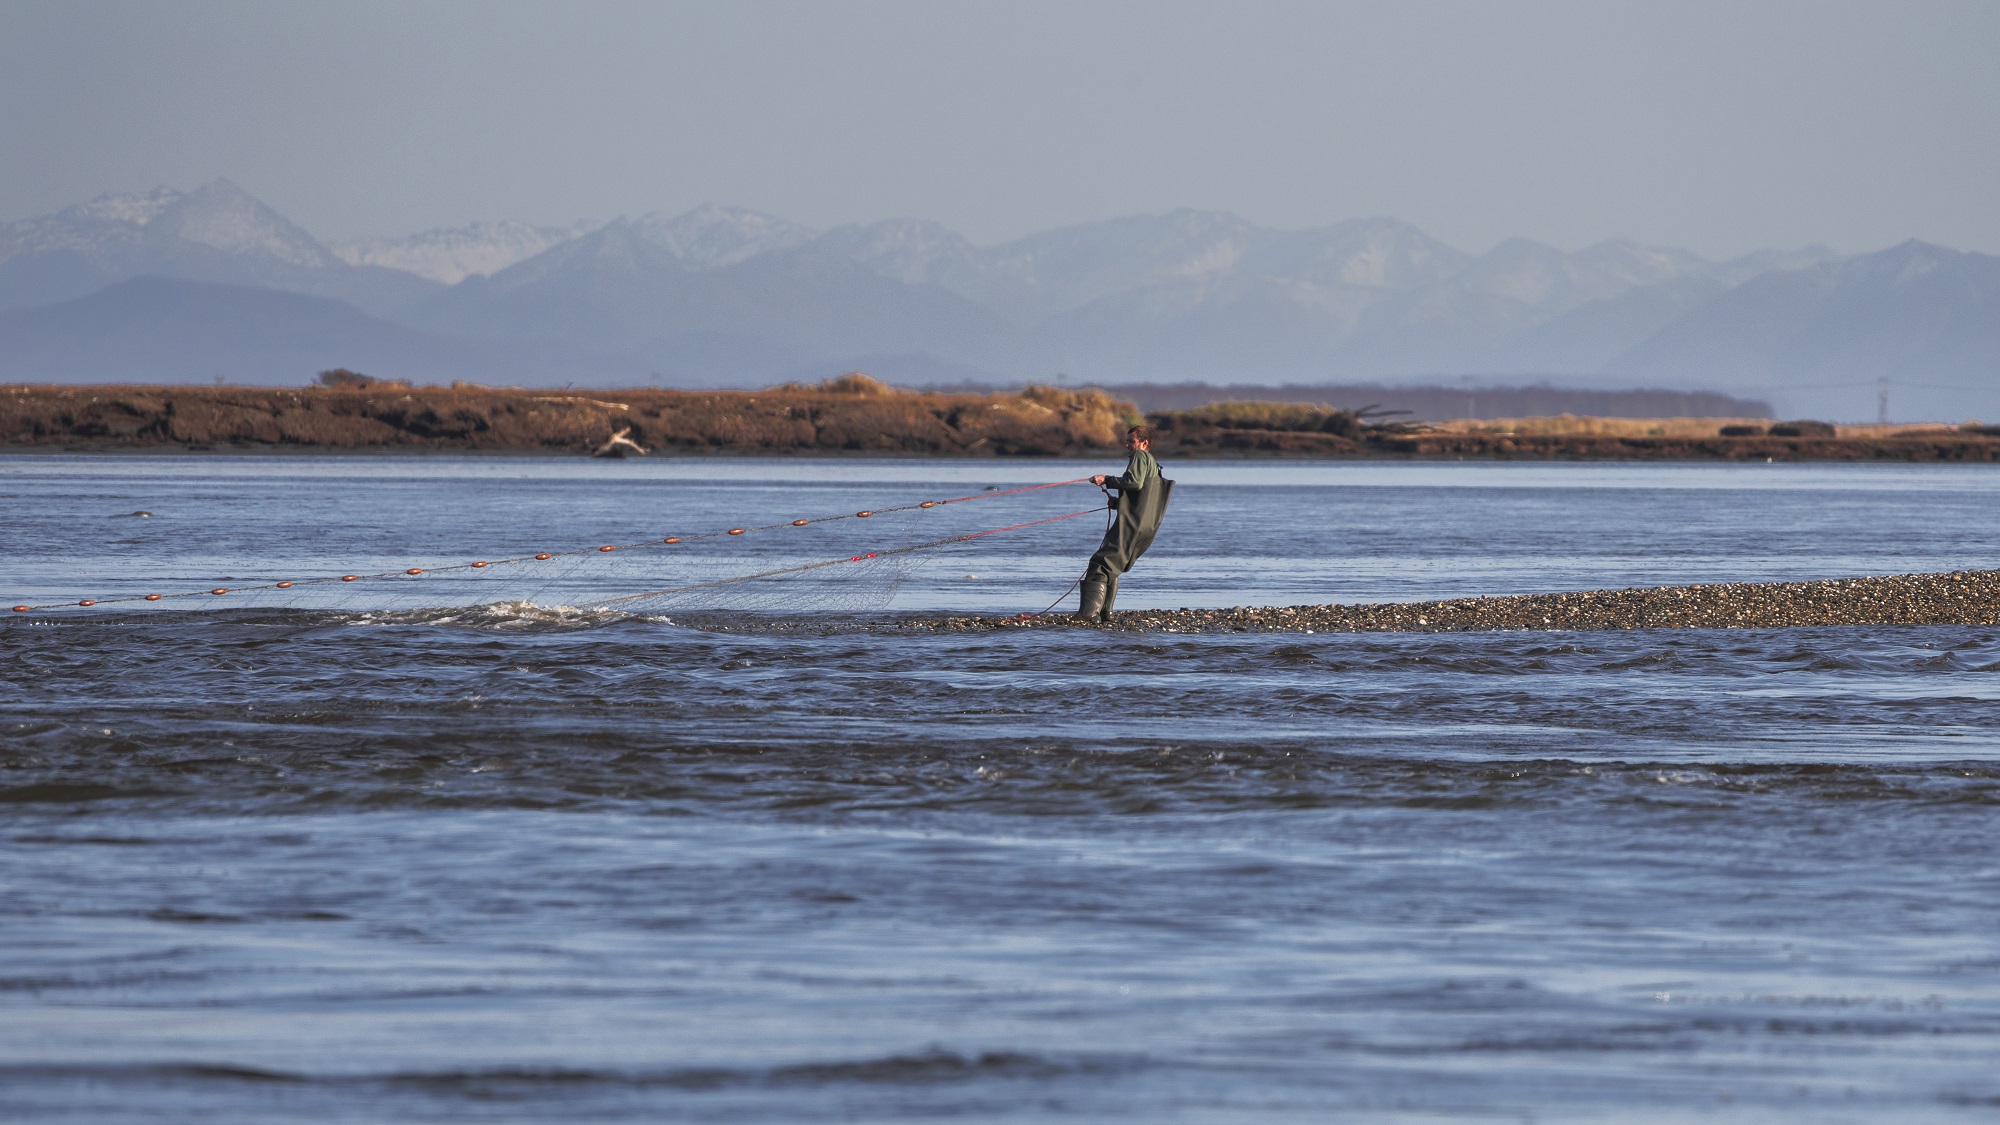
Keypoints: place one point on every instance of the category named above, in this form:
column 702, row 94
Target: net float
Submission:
column 350, row 577
column 20, row 609
column 607, row 548
column 86, row 601
column 671, row 539
column 152, row 597
column 284, row 585
column 735, row 531
column 800, row 523
column 864, row 515
column 477, row 565
column 414, row 570
column 545, row 556
column 220, row 590
column 928, row 504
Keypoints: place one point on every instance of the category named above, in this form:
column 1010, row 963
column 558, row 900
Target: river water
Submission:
column 346, row 858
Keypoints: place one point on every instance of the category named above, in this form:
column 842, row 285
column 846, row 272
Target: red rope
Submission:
column 1012, row 491
column 834, row 562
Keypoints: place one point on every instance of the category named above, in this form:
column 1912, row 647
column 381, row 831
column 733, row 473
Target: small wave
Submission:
column 529, row 615
column 58, row 792
column 500, row 615
column 515, row 1082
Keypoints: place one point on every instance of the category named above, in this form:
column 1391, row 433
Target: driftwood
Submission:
column 619, row 444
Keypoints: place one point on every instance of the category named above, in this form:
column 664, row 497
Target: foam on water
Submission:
column 497, row 615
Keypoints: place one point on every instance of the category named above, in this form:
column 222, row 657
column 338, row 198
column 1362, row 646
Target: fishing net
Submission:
column 829, row 563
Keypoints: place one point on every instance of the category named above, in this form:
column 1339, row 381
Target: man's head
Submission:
column 1138, row 437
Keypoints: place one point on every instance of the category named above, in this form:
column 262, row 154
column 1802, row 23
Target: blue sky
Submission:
column 1719, row 127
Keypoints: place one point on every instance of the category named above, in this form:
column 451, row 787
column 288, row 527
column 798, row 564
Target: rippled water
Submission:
column 346, row 863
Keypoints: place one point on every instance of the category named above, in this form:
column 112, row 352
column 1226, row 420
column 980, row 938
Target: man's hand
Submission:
column 1098, row 480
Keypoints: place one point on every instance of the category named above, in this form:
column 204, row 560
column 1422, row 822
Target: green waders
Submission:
column 1142, row 501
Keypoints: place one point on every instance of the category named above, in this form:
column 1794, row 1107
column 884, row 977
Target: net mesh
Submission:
column 838, row 563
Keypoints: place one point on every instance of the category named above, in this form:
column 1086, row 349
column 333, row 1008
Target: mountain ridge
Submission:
column 722, row 294
column 218, row 233
column 166, row 330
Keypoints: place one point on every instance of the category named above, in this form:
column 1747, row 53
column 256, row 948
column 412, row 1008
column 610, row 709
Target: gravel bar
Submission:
column 1962, row 597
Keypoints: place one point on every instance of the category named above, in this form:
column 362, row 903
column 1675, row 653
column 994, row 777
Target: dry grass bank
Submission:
column 856, row 414
column 1575, row 425
column 853, row 414
column 1249, row 429
column 1570, row 425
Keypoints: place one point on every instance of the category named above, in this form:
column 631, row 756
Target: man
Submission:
column 1141, row 501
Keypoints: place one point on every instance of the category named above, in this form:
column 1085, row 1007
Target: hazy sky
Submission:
column 1720, row 127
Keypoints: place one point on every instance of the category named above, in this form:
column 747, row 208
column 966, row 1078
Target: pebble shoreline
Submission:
column 1961, row 597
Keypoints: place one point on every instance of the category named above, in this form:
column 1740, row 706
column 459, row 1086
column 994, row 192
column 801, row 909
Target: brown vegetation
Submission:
column 1300, row 430
column 857, row 414
column 1572, row 425
column 851, row 414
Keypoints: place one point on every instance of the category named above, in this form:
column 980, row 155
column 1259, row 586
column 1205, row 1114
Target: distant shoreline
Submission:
column 855, row 416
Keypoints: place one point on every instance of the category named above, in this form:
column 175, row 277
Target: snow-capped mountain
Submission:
column 1913, row 311
column 1520, row 283
column 1073, row 266
column 449, row 255
column 133, row 210
column 617, row 289
column 1168, row 256
column 912, row 251
column 218, row 232
column 223, row 216
column 917, row 252
column 1368, row 253
column 721, row 295
column 711, row 236
column 1512, row 289
column 1736, row 271
column 218, row 215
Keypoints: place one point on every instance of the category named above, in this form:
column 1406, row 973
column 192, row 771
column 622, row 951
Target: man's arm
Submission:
column 1120, row 482
column 1140, row 469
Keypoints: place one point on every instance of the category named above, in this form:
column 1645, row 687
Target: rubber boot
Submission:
column 1092, row 605
column 1110, row 596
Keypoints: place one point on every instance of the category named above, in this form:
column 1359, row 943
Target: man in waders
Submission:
column 1141, row 501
